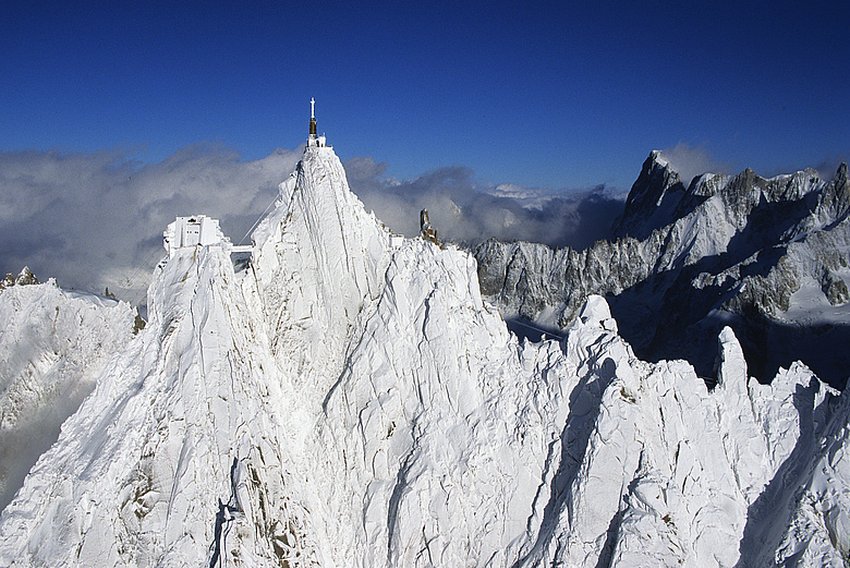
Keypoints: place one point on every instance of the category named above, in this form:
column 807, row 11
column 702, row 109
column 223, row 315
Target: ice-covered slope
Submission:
column 170, row 443
column 725, row 250
column 350, row 400
column 815, row 534
column 319, row 259
column 53, row 344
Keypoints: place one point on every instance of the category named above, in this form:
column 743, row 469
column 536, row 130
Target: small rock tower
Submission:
column 428, row 232
column 313, row 140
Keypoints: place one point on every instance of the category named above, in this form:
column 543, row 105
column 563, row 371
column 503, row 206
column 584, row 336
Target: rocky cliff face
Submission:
column 350, row 400
column 767, row 256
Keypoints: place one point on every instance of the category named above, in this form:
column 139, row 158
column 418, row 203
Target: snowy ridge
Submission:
column 54, row 344
column 671, row 471
column 347, row 401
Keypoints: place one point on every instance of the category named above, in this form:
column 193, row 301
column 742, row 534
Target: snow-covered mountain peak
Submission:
column 348, row 399
column 834, row 201
column 24, row 277
column 658, row 198
column 653, row 197
column 235, row 426
column 657, row 157
column 318, row 259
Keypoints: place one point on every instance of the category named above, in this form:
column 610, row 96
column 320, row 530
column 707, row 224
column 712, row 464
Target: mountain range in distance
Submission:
column 768, row 257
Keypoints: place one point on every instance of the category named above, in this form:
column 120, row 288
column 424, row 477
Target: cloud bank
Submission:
column 466, row 211
column 691, row 161
column 95, row 221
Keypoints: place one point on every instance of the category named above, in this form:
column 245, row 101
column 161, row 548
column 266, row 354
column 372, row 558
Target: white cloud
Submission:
column 463, row 210
column 95, row 220
column 691, row 161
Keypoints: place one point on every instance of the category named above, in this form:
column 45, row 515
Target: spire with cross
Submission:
column 314, row 140
column 312, row 120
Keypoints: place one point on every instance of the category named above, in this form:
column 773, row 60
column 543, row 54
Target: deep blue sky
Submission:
column 548, row 94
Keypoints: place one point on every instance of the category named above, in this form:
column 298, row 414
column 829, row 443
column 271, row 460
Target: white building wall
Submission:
column 209, row 231
column 190, row 232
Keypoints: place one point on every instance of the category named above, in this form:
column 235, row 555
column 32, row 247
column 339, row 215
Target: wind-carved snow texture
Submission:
column 53, row 345
column 350, row 400
column 767, row 256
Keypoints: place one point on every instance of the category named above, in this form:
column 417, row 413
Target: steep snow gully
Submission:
column 349, row 400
